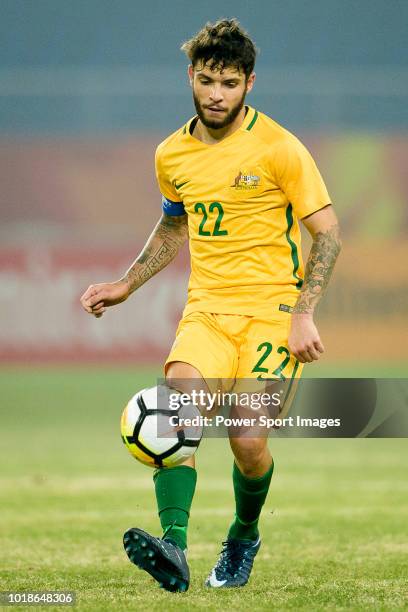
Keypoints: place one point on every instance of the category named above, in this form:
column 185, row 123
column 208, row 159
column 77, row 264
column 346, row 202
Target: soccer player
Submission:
column 235, row 184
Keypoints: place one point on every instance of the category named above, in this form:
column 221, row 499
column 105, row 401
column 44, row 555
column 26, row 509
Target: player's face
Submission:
column 219, row 95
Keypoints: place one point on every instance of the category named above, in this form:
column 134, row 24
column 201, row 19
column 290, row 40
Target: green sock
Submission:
column 250, row 495
column 174, row 493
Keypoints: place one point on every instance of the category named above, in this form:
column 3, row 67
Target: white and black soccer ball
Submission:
column 153, row 431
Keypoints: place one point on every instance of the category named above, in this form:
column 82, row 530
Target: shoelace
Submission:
column 232, row 557
column 166, row 531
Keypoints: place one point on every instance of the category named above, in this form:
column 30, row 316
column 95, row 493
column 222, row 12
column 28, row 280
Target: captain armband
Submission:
column 174, row 209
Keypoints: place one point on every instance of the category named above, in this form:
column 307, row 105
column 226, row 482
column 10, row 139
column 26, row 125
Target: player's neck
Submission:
column 210, row 136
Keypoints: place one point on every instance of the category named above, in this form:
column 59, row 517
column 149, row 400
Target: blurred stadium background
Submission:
column 88, row 88
column 87, row 91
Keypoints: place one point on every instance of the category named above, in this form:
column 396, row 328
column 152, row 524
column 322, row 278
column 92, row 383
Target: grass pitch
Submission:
column 333, row 527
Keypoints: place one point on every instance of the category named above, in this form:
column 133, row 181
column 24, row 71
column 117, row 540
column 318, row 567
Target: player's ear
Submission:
column 250, row 82
column 190, row 72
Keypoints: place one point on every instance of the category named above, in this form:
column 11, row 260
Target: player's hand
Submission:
column 97, row 298
column 304, row 340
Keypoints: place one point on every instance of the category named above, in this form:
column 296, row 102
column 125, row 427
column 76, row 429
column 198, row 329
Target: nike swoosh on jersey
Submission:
column 181, row 184
column 214, row 581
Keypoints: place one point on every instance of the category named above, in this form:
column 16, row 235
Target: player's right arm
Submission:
column 169, row 235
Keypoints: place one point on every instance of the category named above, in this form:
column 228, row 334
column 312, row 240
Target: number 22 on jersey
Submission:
column 211, row 218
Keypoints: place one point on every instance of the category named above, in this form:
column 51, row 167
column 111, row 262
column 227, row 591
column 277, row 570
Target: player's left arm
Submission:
column 304, row 340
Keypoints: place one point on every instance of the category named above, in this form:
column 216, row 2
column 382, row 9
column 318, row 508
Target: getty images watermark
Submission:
column 209, row 401
column 326, row 407
column 259, row 403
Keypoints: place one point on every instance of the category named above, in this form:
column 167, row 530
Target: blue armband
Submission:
column 174, row 209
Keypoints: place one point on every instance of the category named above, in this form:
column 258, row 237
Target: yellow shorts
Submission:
column 229, row 346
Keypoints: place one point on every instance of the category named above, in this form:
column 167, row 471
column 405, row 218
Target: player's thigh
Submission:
column 180, row 370
column 185, row 378
column 202, row 347
column 266, row 365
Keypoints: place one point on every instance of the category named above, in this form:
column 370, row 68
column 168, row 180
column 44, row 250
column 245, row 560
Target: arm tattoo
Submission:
column 322, row 257
column 163, row 245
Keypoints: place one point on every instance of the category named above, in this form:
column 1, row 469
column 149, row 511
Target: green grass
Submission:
column 333, row 526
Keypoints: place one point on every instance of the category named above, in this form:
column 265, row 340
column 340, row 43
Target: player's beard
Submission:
column 213, row 124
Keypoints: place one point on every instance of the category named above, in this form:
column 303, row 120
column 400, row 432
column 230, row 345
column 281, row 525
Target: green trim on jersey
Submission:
column 293, row 247
column 251, row 125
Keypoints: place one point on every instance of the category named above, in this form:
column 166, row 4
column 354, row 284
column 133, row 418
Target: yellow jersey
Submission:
column 243, row 197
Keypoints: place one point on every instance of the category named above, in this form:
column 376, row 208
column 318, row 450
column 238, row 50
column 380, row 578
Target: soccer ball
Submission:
column 153, row 431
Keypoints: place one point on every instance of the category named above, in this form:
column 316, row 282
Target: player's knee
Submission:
column 183, row 377
column 249, row 453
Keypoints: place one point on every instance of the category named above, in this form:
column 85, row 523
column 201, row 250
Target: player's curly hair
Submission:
column 220, row 45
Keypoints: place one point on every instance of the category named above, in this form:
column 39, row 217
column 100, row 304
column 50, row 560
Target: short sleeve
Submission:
column 165, row 185
column 298, row 177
